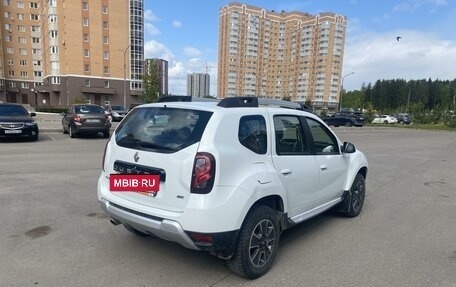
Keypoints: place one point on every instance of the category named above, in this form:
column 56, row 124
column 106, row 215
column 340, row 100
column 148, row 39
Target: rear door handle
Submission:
column 324, row 167
column 286, row 171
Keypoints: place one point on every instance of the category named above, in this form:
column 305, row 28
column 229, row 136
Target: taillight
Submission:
column 77, row 118
column 203, row 173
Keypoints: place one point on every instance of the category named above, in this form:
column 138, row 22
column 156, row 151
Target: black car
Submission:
column 17, row 122
column 403, row 118
column 85, row 118
column 345, row 118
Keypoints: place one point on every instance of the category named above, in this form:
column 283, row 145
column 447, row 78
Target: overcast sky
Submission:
column 185, row 33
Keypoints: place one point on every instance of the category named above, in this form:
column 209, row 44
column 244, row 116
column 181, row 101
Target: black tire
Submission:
column 354, row 201
column 385, row 122
column 257, row 244
column 348, row 124
column 72, row 132
column 135, row 231
column 34, row 138
column 64, row 130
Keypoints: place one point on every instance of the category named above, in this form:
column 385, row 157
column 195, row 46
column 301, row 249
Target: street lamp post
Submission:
column 125, row 76
column 342, row 88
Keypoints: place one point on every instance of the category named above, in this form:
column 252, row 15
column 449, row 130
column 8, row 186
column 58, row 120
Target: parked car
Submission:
column 345, row 118
column 384, row 119
column 403, row 118
column 117, row 112
column 227, row 177
column 17, row 122
column 85, row 118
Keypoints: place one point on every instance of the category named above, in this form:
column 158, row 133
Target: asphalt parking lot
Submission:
column 55, row 234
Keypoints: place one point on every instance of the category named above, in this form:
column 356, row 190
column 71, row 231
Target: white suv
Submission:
column 228, row 176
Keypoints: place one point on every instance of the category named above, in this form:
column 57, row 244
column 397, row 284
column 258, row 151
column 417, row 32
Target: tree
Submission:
column 151, row 86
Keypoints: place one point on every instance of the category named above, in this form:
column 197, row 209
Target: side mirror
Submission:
column 348, row 148
column 33, row 114
column 63, row 114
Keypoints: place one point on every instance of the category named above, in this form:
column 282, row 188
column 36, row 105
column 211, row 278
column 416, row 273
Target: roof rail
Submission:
column 238, row 102
column 284, row 104
column 163, row 99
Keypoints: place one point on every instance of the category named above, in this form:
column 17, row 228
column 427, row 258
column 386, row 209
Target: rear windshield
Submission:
column 161, row 129
column 88, row 110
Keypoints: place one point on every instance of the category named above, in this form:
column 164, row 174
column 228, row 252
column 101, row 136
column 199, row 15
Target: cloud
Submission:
column 151, row 29
column 192, row 52
column 417, row 55
column 177, row 24
column 150, row 16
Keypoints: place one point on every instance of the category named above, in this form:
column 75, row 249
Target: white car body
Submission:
column 384, row 119
column 303, row 185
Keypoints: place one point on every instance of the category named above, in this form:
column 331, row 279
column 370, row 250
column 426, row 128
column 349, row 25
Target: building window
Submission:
column 37, row 63
column 10, row 73
column 10, row 62
column 85, row 22
column 55, row 80
column 54, row 49
column 22, row 40
column 104, row 9
column 87, row 83
column 52, row 3
column 12, row 84
column 85, row 37
column 54, row 65
column 35, row 17
column 8, row 38
column 86, row 68
column 35, row 28
column 25, row 85
column 23, row 62
column 105, row 40
column 21, row 28
column 6, row 2
column 20, row 4
column 37, row 73
column 106, row 84
column 20, row 16
column 8, row 27
column 9, row 50
column 36, row 51
column 105, row 70
column 34, row 5
column 52, row 18
column 106, row 55
column 86, row 53
column 105, row 25
column 53, row 33
column 7, row 14
column 85, row 6
column 24, row 74
column 36, row 40
column 22, row 51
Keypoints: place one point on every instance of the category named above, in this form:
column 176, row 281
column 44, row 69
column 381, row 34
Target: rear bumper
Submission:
column 167, row 229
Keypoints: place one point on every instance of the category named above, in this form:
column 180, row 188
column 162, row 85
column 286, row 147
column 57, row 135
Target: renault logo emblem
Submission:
column 136, row 157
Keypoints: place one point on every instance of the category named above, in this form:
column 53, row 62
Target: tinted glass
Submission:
column 289, row 136
column 12, row 110
column 161, row 129
column 252, row 133
column 324, row 141
column 88, row 110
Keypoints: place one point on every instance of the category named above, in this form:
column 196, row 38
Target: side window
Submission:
column 324, row 141
column 252, row 133
column 289, row 135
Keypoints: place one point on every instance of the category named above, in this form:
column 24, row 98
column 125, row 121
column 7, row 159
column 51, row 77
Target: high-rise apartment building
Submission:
column 161, row 69
column 281, row 55
column 56, row 52
column 198, row 85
